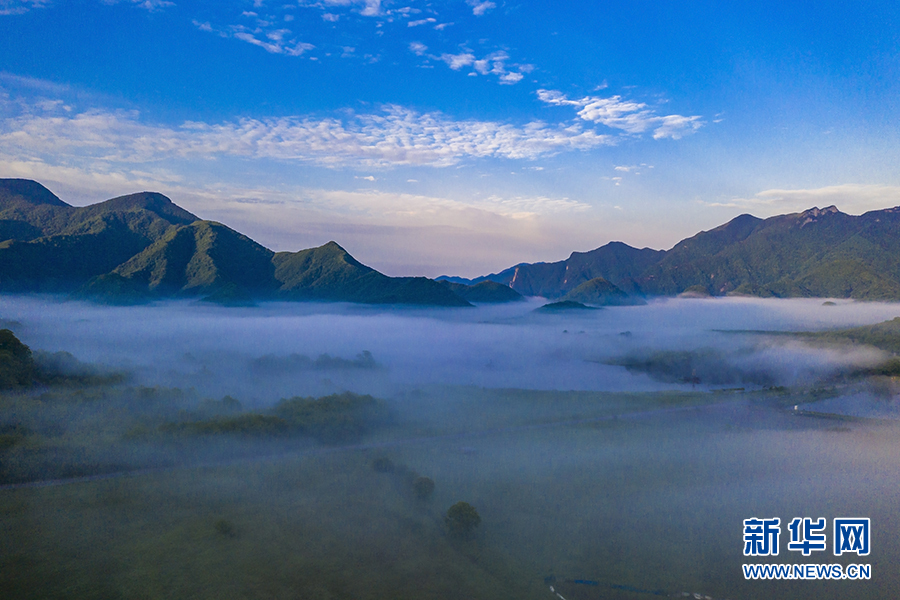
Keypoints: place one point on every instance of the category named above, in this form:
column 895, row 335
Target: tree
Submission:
column 462, row 519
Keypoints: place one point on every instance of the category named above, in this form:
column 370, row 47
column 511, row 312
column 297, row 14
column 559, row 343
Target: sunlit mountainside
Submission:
column 143, row 246
column 815, row 253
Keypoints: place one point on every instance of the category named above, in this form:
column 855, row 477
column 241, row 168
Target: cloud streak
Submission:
column 631, row 117
column 479, row 7
column 18, row 7
column 395, row 136
column 278, row 40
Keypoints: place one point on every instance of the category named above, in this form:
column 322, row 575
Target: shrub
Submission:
column 224, row 528
column 335, row 418
column 16, row 362
column 462, row 519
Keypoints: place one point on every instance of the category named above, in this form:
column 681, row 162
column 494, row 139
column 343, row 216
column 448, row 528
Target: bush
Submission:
column 16, row 362
column 224, row 528
column 462, row 519
column 333, row 419
column 245, row 425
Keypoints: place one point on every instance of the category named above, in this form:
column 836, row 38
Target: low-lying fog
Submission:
column 635, row 491
column 277, row 349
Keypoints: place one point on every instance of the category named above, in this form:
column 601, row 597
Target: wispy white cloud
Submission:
column 394, row 136
column 372, row 8
column 458, row 61
column 480, row 7
column 421, row 22
column 629, row 116
column 18, row 7
column 271, row 39
column 366, row 8
column 417, row 48
column 491, row 64
column 152, row 5
column 636, row 169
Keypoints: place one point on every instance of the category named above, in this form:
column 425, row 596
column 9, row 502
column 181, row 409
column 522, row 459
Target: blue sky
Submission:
column 458, row 136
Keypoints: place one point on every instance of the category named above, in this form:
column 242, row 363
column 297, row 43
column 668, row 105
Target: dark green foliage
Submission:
column 462, row 519
column 214, row 408
column 230, row 294
column 564, row 306
column 330, row 273
column 24, row 191
column 244, row 425
column 51, row 246
column 61, row 368
column 706, row 366
column 203, row 258
column 12, row 435
column 423, row 488
column 484, row 292
column 696, row 291
column 16, row 362
column 885, row 336
column 816, row 253
column 113, row 289
column 616, row 262
column 889, row 368
column 224, row 528
column 332, row 419
column 600, row 292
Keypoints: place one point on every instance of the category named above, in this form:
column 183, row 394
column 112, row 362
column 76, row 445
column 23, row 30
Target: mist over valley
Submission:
column 267, row 446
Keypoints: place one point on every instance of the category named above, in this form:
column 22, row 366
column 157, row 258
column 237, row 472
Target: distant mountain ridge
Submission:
column 142, row 246
column 815, row 253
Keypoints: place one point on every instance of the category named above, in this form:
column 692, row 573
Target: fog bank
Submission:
column 284, row 349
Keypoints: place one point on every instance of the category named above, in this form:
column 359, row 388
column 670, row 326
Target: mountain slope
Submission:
column 819, row 252
column 816, row 253
column 600, row 292
column 484, row 292
column 201, row 258
column 143, row 246
column 330, row 273
column 48, row 245
column 618, row 263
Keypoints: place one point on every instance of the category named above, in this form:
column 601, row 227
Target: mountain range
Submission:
column 815, row 253
column 142, row 246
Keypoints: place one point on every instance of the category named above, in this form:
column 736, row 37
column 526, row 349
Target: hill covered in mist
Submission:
column 142, row 246
column 815, row 253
